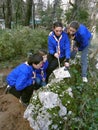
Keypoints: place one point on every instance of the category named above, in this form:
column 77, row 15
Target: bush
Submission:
column 17, row 42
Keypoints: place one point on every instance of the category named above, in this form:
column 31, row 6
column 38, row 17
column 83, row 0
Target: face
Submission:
column 38, row 66
column 71, row 31
column 58, row 31
column 44, row 58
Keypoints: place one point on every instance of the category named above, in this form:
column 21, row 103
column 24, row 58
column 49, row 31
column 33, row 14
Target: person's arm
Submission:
column 45, row 66
column 83, row 36
column 67, row 48
column 84, row 43
column 51, row 47
column 67, row 51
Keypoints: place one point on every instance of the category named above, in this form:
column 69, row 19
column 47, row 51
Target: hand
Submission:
column 34, row 75
column 72, row 37
column 66, row 64
column 56, row 55
column 33, row 82
column 72, row 48
column 75, row 48
column 43, row 79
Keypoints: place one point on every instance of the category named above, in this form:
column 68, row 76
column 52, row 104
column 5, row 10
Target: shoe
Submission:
column 7, row 89
column 85, row 79
column 23, row 103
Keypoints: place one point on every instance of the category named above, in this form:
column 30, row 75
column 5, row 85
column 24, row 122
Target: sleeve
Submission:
column 67, row 46
column 83, row 43
column 51, row 47
column 44, row 69
column 23, row 81
column 45, row 66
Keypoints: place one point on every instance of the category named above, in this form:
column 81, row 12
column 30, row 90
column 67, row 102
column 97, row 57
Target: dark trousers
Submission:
column 25, row 94
column 53, row 64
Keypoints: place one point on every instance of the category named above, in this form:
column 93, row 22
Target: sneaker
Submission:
column 23, row 103
column 85, row 79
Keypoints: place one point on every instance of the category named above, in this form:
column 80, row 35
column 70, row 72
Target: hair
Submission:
column 34, row 59
column 42, row 52
column 57, row 24
column 74, row 24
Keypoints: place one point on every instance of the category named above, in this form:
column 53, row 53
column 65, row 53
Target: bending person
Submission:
column 82, row 37
column 21, row 80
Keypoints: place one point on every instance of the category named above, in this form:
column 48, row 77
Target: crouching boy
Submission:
column 21, row 80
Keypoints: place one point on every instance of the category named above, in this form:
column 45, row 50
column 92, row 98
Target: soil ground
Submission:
column 11, row 112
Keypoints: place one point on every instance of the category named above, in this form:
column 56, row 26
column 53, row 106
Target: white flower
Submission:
column 97, row 66
column 69, row 91
column 70, row 112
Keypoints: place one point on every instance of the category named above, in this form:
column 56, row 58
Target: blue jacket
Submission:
column 82, row 37
column 21, row 77
column 64, row 45
column 41, row 73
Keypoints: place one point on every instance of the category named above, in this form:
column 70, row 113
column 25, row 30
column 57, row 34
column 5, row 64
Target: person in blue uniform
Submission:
column 41, row 73
column 21, row 80
column 58, row 48
column 82, row 37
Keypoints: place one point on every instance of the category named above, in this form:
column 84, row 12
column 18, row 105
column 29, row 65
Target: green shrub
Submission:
column 17, row 42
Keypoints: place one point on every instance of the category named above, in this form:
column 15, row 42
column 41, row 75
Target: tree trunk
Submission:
column 54, row 9
column 28, row 12
column 33, row 16
column 8, row 14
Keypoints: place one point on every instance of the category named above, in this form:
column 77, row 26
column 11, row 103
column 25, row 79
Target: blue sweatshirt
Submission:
column 82, row 37
column 64, row 45
column 41, row 73
column 21, row 77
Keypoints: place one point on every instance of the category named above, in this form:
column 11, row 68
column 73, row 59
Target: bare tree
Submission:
column 93, row 11
column 78, row 11
column 77, row 5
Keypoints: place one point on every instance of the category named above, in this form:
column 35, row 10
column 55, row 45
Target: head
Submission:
column 43, row 53
column 57, row 28
column 35, row 60
column 73, row 27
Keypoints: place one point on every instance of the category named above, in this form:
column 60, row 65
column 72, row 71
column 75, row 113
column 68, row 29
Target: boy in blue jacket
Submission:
column 41, row 73
column 58, row 48
column 82, row 37
column 21, row 80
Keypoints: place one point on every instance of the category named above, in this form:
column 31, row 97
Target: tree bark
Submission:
column 28, row 12
column 8, row 14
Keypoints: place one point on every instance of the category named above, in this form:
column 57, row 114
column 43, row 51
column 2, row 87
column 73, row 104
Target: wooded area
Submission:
column 38, row 12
